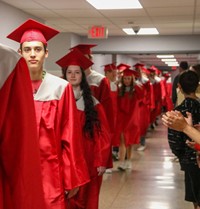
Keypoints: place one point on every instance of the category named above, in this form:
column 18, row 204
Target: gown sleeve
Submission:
column 74, row 165
column 103, row 141
column 20, row 174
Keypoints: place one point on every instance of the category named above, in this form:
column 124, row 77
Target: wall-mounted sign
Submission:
column 98, row 32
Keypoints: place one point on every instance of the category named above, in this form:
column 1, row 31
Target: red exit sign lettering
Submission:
column 98, row 32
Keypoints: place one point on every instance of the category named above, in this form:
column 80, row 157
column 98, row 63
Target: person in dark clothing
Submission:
column 182, row 67
column 188, row 83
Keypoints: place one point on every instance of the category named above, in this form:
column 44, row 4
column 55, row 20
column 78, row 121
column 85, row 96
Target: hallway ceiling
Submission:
column 171, row 17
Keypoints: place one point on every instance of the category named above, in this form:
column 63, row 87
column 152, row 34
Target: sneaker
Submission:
column 152, row 126
column 115, row 156
column 121, row 167
column 109, row 170
column 175, row 159
column 141, row 148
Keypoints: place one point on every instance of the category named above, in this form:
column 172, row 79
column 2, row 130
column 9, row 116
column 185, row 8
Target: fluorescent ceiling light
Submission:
column 115, row 4
column 148, row 31
column 129, row 31
column 142, row 31
column 168, row 60
column 172, row 64
column 165, row 56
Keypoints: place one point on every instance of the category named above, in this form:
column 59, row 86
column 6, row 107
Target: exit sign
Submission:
column 98, row 32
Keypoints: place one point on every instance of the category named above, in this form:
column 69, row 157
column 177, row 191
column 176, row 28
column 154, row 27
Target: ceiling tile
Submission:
column 70, row 13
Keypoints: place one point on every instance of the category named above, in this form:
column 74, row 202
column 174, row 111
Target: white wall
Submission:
column 126, row 60
column 10, row 18
column 147, row 44
column 58, row 47
column 100, row 60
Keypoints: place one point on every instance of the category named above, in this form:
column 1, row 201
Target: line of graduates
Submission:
column 78, row 119
column 138, row 96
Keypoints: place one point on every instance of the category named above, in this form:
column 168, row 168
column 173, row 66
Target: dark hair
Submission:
column 64, row 69
column 184, row 65
column 91, row 116
column 189, row 81
column 122, row 89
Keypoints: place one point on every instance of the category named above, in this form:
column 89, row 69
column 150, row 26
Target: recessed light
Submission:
column 142, row 31
column 115, row 4
column 165, row 56
column 168, row 60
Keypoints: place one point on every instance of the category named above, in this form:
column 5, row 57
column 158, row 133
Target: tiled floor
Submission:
column 155, row 182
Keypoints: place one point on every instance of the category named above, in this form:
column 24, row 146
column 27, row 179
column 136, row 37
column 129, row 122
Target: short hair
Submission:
column 44, row 45
column 189, row 81
column 184, row 65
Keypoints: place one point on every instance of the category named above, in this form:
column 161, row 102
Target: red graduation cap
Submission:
column 123, row 66
column 84, row 48
column 75, row 57
column 151, row 70
column 32, row 30
column 156, row 70
column 109, row 67
column 137, row 65
column 146, row 71
column 166, row 75
column 128, row 72
column 136, row 74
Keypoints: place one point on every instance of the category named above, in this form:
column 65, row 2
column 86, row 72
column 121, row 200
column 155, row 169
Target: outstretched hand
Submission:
column 175, row 120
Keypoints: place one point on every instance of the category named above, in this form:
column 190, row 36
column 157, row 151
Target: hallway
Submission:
column 155, row 181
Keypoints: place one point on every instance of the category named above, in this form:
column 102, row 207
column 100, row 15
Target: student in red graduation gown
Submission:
column 100, row 88
column 144, row 118
column 168, row 96
column 62, row 162
column 110, row 71
column 99, row 85
column 20, row 173
column 127, row 129
column 155, row 97
column 95, row 133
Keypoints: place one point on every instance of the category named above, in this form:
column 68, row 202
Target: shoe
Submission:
column 109, row 170
column 152, row 126
column 141, row 148
column 175, row 159
column 115, row 156
column 121, row 167
column 128, row 164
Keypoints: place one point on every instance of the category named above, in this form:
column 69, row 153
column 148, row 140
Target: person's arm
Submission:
column 192, row 132
column 175, row 120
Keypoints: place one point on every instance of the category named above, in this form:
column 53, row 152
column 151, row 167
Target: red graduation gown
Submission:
column 169, row 103
column 20, row 174
column 127, row 117
column 62, row 160
column 114, row 95
column 152, row 103
column 97, row 153
column 144, row 109
column 100, row 88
